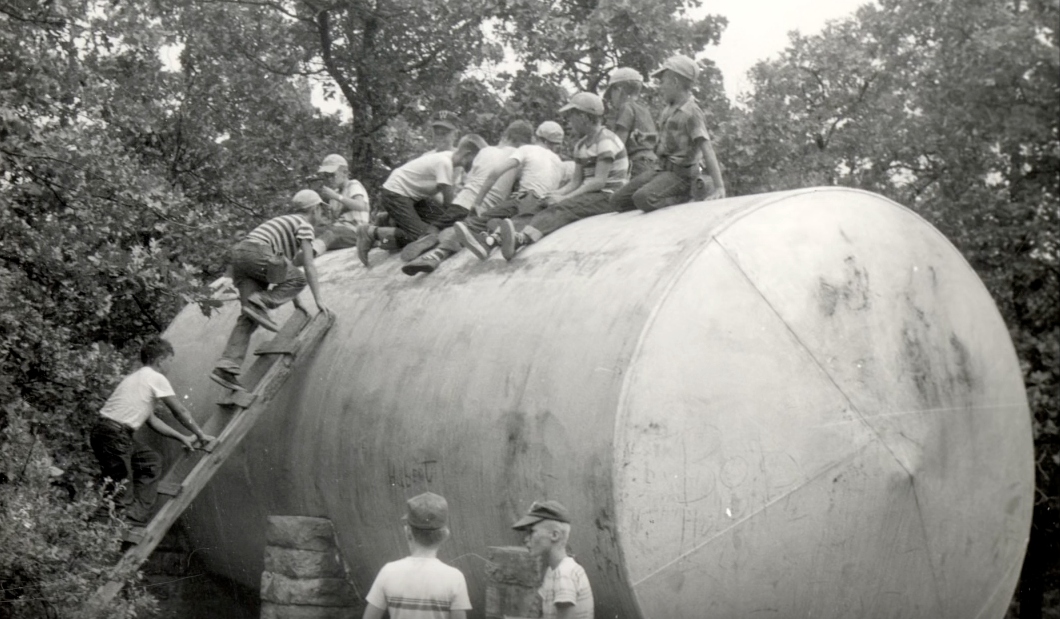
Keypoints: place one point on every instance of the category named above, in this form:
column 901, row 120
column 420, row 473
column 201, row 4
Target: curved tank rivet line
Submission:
column 927, row 546
column 934, row 411
column 1016, row 565
column 840, row 463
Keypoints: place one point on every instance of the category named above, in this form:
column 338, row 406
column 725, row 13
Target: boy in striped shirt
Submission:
column 263, row 259
column 601, row 167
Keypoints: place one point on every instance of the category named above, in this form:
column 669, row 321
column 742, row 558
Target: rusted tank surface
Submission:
column 792, row 404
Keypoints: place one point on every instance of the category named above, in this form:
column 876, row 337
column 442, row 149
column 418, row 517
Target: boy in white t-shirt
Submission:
column 565, row 591
column 420, row 586
column 131, row 405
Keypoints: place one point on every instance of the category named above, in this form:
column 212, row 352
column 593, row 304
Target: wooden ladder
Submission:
column 237, row 413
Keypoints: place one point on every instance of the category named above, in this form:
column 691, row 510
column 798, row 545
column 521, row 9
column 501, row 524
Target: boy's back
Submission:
column 419, row 588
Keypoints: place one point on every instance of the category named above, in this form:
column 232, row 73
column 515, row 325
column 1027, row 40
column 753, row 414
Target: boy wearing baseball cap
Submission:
column 420, row 586
column 600, row 168
column 631, row 120
column 683, row 146
column 565, row 592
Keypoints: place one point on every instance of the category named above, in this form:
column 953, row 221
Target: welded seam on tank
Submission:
column 823, row 473
column 997, row 588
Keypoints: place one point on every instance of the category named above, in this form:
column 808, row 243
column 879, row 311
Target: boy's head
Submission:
column 335, row 167
column 467, row 149
column 427, row 518
column 624, row 83
column 444, row 129
column 584, row 112
column 519, row 132
column 545, row 526
column 155, row 351
column 308, row 203
column 676, row 76
column 550, row 134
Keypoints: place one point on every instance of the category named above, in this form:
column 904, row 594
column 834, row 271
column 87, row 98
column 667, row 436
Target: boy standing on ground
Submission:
column 408, row 198
column 420, row 586
column 486, row 186
column 565, row 592
column 263, row 259
column 631, row 120
column 601, row 168
column 683, row 146
column 131, row 405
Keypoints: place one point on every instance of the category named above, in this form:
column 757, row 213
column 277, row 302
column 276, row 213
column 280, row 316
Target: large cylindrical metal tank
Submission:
column 797, row 404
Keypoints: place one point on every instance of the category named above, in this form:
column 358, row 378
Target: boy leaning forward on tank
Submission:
column 263, row 271
column 420, row 586
column 565, row 591
column 683, row 147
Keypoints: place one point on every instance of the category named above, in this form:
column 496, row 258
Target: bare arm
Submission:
column 492, row 179
column 596, row 183
column 311, row 274
column 185, row 418
column 349, row 204
column 373, row 612
column 710, row 162
column 572, row 185
column 163, row 428
column 447, row 194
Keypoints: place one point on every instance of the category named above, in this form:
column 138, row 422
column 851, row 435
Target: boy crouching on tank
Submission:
column 420, row 585
column 565, row 592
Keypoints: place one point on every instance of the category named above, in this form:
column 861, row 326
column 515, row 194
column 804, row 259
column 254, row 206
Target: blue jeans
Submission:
column 566, row 212
column 417, row 218
column 121, row 457
column 254, row 268
column 655, row 189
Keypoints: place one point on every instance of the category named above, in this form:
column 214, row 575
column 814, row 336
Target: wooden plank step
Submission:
column 169, row 488
column 237, row 398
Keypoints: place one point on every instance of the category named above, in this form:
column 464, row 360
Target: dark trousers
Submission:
column 520, row 208
column 254, row 268
column 417, row 218
column 566, row 212
column 121, row 457
column 656, row 189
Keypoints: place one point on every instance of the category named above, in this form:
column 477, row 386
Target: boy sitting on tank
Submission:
column 263, row 272
column 683, row 147
column 348, row 205
column 565, row 591
column 631, row 120
column 420, row 585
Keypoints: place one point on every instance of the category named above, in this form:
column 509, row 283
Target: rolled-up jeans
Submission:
column 255, row 266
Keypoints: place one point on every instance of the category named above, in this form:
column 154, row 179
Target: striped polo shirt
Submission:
column 603, row 144
column 283, row 234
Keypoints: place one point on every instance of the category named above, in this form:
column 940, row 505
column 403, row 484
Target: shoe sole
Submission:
column 418, row 247
column 507, row 239
column 413, row 268
column 263, row 321
column 364, row 245
column 226, row 384
column 468, row 240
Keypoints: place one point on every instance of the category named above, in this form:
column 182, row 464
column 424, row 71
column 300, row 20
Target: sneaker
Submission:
column 226, row 379
column 426, row 263
column 365, row 239
column 510, row 239
column 260, row 316
column 416, row 248
column 475, row 242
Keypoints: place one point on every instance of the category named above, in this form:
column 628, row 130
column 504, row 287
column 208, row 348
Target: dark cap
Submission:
column 543, row 510
column 427, row 511
column 447, row 119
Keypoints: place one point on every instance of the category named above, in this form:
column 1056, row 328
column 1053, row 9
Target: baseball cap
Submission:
column 305, row 199
column 445, row 118
column 332, row 163
column 679, row 64
column 551, row 131
column 427, row 511
column 543, row 510
column 624, row 74
column 472, row 138
column 587, row 102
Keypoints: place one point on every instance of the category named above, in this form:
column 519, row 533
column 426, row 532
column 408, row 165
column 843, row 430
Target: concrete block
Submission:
column 301, row 532
column 303, row 563
column 511, row 601
column 292, row 611
column 280, row 589
column 513, row 565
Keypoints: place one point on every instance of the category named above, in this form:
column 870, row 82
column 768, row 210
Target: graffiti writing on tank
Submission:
column 412, row 474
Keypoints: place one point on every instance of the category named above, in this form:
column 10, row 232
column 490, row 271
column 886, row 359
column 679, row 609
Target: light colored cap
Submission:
column 305, row 200
column 332, row 163
column 587, row 102
column 624, row 74
column 427, row 512
column 681, row 65
column 550, row 131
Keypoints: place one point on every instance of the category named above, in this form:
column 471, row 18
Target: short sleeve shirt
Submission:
column 636, row 118
column 133, row 400
column 487, row 160
column 603, row 144
column 567, row 584
column 421, row 177
column 540, row 169
column 419, row 588
column 284, row 234
column 680, row 128
column 358, row 215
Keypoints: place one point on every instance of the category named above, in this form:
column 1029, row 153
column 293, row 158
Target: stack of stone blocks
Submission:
column 512, row 581
column 305, row 576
